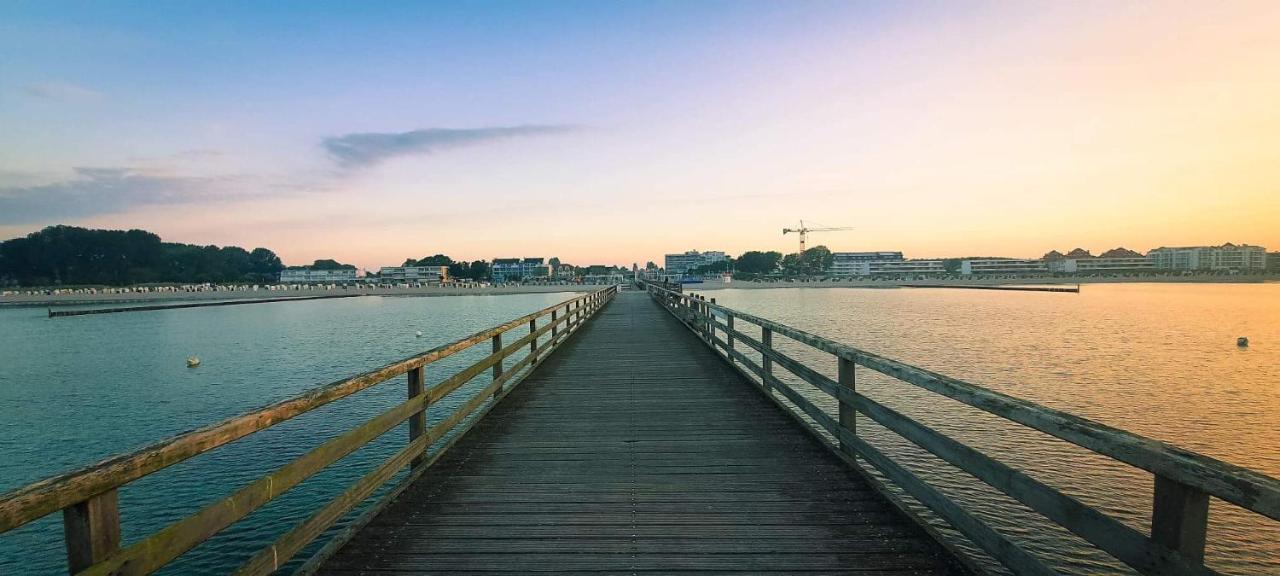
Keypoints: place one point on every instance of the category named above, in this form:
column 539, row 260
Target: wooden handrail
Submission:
column 93, row 529
column 1184, row 479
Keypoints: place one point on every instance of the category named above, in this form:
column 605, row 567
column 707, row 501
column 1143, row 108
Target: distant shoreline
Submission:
column 989, row 281
column 162, row 297
column 154, row 297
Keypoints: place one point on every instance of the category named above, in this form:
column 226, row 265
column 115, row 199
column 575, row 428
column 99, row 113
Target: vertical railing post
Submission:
column 711, row 324
column 1180, row 518
column 92, row 530
column 766, row 362
column 417, row 422
column 728, row 336
column 497, row 366
column 533, row 343
column 555, row 328
column 845, row 377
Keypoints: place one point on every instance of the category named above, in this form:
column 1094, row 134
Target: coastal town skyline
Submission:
column 647, row 128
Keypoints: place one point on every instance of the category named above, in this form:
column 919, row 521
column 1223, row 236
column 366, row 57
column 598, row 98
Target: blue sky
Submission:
column 375, row 132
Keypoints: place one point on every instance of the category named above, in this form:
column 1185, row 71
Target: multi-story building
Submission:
column 414, row 274
column 1100, row 264
column 1225, row 257
column 514, row 269
column 566, row 272
column 309, row 276
column 846, row 264
column 678, row 264
column 1002, row 266
column 906, row 267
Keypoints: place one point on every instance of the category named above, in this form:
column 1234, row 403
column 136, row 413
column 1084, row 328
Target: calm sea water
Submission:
column 76, row 390
column 1156, row 359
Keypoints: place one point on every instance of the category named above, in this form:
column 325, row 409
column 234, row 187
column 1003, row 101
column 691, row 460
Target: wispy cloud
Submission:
column 95, row 191
column 368, row 148
column 61, row 92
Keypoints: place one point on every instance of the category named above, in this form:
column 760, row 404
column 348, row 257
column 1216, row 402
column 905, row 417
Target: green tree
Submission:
column 755, row 262
column 330, row 265
column 68, row 255
column 479, row 270
column 714, row 267
column 264, row 264
column 791, row 264
column 437, row 260
column 816, row 261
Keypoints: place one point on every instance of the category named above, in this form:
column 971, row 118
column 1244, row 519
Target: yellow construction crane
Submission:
column 804, row 231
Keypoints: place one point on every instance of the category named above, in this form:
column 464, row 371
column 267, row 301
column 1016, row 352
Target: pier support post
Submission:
column 417, row 422
column 1180, row 518
column 92, row 530
column 497, row 366
column 766, row 363
column 845, row 377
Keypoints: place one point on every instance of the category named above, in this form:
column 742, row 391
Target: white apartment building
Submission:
column 1100, row 264
column 1002, row 266
column 309, row 276
column 414, row 274
column 677, row 264
column 906, row 267
column 506, row 269
column 847, row 264
column 1225, row 257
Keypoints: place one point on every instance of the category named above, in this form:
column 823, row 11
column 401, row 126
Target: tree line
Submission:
column 68, row 255
column 812, row 262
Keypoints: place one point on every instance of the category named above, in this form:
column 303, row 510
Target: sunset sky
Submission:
column 614, row 132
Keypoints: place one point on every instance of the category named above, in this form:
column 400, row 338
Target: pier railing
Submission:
column 1184, row 480
column 88, row 497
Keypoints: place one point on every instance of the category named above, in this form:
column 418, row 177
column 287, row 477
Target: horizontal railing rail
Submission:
column 88, row 496
column 1184, row 480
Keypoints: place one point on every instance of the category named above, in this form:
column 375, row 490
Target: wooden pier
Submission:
column 635, row 449
column 644, row 431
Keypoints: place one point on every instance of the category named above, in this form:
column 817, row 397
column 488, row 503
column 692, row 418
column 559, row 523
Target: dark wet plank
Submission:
column 636, row 449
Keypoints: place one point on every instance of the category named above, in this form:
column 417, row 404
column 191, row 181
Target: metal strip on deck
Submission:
column 636, row 449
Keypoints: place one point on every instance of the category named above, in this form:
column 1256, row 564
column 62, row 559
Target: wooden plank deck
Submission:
column 636, row 449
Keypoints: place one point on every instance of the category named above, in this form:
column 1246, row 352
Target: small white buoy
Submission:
column 192, row 362
column 1242, row 342
column 418, row 334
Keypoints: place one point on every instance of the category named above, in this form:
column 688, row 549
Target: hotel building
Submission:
column 309, row 276
column 1003, row 266
column 1225, row 257
column 847, row 264
column 513, row 269
column 414, row 274
column 678, row 264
